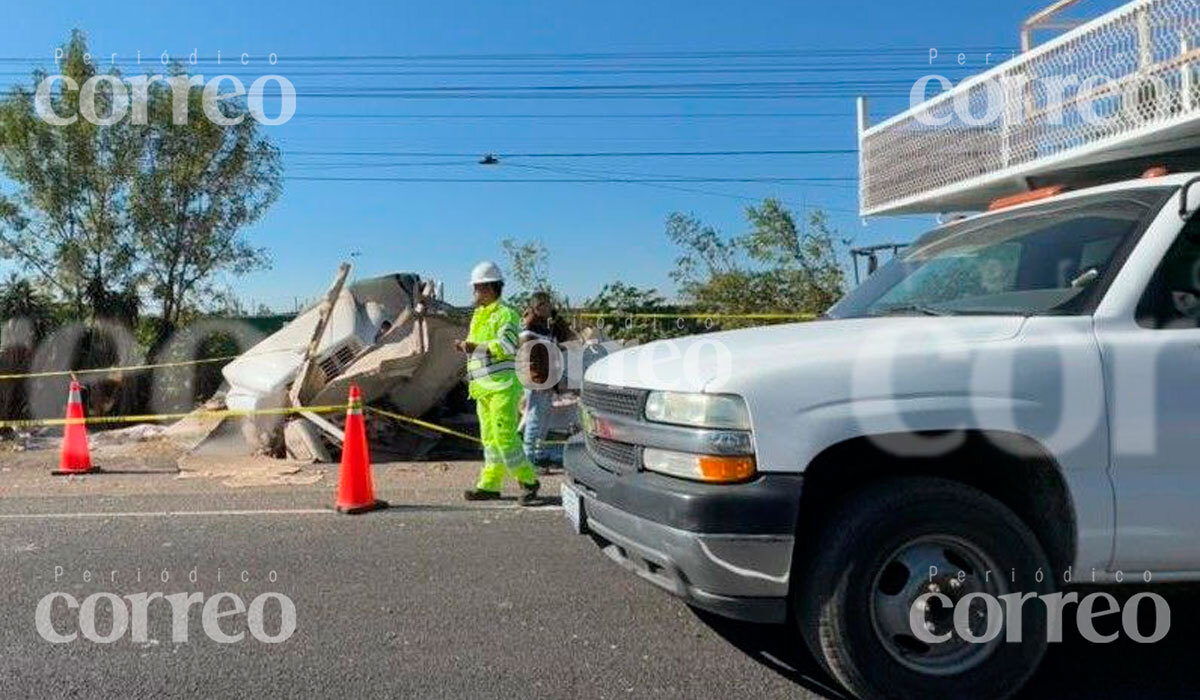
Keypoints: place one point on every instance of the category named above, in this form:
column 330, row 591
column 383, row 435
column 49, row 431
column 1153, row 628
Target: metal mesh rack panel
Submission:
column 1121, row 76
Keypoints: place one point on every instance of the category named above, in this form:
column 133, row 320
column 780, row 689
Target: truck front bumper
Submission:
column 723, row 548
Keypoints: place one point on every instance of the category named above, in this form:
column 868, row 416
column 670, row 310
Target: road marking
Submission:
column 286, row 511
column 163, row 513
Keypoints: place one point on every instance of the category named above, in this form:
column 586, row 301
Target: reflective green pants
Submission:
column 502, row 447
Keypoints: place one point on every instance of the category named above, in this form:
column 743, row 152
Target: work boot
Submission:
column 481, row 495
column 529, row 494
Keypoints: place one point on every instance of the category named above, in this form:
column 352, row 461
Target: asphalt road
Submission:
column 434, row 602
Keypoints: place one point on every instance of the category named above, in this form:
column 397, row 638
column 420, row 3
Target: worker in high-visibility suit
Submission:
column 491, row 346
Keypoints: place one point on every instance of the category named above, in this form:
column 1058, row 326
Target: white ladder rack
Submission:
column 1119, row 88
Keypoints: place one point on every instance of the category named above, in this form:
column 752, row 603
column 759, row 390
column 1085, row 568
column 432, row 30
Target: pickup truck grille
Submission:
column 621, row 401
column 614, row 456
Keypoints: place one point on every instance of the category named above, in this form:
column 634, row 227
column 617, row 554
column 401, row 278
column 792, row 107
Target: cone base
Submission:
column 356, row 510
column 69, row 472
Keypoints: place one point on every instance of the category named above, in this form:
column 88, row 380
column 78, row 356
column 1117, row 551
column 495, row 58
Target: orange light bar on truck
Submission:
column 1024, row 197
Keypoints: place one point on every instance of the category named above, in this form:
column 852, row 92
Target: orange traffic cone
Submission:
column 75, row 458
column 356, row 493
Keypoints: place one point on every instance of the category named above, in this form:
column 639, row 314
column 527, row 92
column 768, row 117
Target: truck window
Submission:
column 1055, row 258
column 1172, row 298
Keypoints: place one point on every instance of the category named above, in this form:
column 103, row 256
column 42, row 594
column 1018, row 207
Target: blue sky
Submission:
column 596, row 232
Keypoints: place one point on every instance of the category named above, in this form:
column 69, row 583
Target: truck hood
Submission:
column 727, row 361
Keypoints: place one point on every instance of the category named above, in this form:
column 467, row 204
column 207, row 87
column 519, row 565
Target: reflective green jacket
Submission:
column 495, row 328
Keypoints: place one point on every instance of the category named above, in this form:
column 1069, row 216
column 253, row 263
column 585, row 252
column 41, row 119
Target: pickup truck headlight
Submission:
column 710, row 468
column 698, row 410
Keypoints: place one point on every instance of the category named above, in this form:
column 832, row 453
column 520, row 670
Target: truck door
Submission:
column 1152, row 370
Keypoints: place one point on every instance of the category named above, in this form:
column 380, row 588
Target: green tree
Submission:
column 104, row 215
column 26, row 317
column 200, row 185
column 627, row 312
column 529, row 272
column 21, row 300
column 626, row 298
column 67, row 223
column 776, row 267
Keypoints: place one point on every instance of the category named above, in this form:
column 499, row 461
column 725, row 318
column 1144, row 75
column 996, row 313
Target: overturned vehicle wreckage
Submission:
column 391, row 335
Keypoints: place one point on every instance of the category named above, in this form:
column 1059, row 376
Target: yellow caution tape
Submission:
column 441, row 429
column 129, row 368
column 154, row 417
column 237, row 413
column 424, row 424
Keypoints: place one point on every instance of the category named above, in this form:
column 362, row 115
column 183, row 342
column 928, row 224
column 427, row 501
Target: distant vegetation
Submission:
column 777, row 267
column 125, row 223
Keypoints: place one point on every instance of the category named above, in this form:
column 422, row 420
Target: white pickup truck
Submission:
column 1009, row 405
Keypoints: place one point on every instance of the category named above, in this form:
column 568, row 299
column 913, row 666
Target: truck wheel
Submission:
column 897, row 540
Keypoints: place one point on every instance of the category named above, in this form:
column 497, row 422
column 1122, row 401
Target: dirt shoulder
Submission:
column 160, row 466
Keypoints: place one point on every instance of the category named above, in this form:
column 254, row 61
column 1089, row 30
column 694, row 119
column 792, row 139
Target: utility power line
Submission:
column 626, row 177
column 583, row 154
column 234, row 56
column 251, row 70
column 606, row 175
column 569, row 87
column 528, row 115
column 376, row 164
column 654, row 55
column 658, row 183
column 840, row 93
column 336, row 178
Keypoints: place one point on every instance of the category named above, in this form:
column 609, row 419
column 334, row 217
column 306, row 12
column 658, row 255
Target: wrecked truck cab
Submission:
column 388, row 334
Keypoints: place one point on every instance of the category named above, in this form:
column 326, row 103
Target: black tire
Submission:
column 845, row 585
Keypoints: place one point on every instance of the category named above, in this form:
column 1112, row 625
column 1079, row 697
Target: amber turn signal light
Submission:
column 726, row 469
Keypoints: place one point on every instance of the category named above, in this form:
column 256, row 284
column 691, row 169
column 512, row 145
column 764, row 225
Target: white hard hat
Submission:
column 486, row 271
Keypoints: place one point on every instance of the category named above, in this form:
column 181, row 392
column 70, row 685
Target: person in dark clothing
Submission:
column 541, row 328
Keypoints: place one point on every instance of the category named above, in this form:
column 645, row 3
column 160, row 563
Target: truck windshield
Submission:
column 1049, row 259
